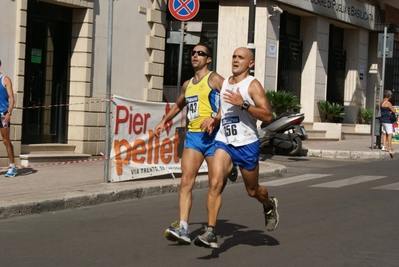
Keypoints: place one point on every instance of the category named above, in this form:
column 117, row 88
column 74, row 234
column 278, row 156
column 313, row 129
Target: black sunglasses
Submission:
column 200, row 53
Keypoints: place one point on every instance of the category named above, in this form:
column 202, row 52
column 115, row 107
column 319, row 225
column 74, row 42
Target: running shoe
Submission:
column 233, row 174
column 12, row 172
column 178, row 234
column 272, row 217
column 207, row 239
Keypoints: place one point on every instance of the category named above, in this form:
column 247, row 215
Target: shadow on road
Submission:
column 236, row 235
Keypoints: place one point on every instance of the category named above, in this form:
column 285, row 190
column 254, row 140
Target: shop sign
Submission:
column 350, row 11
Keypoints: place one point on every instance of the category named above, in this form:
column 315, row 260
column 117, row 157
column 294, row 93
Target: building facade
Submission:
column 57, row 54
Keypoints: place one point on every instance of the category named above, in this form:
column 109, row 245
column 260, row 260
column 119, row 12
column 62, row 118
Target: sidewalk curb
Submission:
column 346, row 154
column 91, row 195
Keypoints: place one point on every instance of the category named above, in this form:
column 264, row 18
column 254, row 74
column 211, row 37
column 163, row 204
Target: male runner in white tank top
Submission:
column 243, row 102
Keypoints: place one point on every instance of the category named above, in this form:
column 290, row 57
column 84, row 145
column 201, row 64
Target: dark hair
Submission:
column 209, row 49
column 0, row 62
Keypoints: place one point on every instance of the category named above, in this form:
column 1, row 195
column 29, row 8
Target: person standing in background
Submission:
column 387, row 114
column 6, row 106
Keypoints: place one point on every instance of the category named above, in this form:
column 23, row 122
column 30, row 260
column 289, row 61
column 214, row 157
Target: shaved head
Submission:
column 242, row 61
column 248, row 52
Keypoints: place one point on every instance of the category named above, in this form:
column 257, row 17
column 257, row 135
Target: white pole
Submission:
column 180, row 59
column 373, row 125
column 108, row 93
column 384, row 54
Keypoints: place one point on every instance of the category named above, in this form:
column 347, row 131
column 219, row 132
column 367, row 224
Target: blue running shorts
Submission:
column 246, row 157
column 201, row 142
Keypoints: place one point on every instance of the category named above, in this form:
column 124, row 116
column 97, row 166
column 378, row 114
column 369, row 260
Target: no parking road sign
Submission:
column 183, row 9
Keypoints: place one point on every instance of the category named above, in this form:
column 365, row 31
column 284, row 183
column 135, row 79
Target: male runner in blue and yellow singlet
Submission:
column 201, row 96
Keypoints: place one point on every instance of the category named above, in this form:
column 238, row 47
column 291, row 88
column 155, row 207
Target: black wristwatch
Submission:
column 245, row 105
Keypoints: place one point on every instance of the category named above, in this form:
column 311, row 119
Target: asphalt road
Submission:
column 333, row 213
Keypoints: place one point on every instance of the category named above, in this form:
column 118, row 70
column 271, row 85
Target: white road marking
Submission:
column 294, row 179
column 394, row 186
column 350, row 181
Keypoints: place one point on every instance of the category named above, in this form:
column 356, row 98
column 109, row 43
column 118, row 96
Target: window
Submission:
column 392, row 74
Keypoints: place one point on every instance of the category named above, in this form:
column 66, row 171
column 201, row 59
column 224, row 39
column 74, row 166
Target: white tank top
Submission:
column 237, row 127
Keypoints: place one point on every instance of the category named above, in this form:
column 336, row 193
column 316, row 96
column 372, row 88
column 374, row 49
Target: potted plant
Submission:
column 282, row 101
column 365, row 115
column 333, row 112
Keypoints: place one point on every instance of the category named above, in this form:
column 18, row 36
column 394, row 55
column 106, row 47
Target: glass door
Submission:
column 46, row 74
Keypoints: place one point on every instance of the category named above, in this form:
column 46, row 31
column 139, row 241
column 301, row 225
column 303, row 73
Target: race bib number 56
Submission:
column 231, row 127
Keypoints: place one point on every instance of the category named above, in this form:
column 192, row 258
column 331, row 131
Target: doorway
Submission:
column 336, row 66
column 290, row 55
column 47, row 56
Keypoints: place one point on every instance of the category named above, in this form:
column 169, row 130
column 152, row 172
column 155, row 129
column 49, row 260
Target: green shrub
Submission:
column 365, row 115
column 331, row 110
column 282, row 101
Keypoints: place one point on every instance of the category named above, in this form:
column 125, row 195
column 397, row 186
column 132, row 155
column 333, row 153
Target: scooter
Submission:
column 284, row 134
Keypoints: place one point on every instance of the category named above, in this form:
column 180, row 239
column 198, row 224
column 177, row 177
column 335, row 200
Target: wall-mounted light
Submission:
column 277, row 10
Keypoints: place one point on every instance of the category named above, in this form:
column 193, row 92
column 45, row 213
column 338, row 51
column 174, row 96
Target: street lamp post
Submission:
column 251, row 30
column 108, row 93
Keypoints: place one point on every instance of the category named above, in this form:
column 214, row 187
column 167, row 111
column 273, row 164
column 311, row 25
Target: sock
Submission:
column 184, row 225
column 12, row 165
